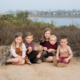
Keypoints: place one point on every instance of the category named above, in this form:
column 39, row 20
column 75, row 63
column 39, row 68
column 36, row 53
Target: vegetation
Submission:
column 10, row 24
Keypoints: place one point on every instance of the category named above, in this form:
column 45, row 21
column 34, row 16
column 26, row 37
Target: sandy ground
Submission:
column 43, row 71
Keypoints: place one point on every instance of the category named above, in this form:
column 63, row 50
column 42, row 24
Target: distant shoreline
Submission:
column 54, row 16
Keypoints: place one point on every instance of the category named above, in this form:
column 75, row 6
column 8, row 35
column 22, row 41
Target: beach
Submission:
column 42, row 71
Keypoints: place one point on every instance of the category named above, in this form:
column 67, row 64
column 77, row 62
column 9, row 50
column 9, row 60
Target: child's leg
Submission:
column 32, row 56
column 52, row 53
column 39, row 55
column 61, row 65
column 60, row 60
column 44, row 55
column 49, row 59
column 49, row 56
column 13, row 60
column 65, row 61
column 40, row 49
column 55, row 60
column 21, row 62
column 26, row 58
column 16, row 61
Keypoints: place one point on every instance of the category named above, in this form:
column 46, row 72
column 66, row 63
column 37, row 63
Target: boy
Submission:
column 50, row 49
column 31, row 53
column 64, row 53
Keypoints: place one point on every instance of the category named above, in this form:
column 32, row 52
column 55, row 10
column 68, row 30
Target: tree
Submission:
column 22, row 16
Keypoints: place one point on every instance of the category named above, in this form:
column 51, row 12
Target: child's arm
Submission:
column 29, row 50
column 45, row 48
column 31, row 47
column 70, row 54
column 57, row 54
column 51, row 50
column 23, row 51
column 13, row 53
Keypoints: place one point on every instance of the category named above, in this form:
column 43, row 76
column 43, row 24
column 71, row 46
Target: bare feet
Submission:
column 61, row 65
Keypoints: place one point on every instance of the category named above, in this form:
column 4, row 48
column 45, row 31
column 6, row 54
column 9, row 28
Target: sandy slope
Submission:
column 43, row 71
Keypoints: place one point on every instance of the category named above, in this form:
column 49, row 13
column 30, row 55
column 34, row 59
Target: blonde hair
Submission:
column 43, row 37
column 53, row 36
column 18, row 34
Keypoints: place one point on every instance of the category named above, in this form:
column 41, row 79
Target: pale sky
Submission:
column 6, row 5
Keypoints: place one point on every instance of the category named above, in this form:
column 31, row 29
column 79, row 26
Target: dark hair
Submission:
column 64, row 37
column 28, row 34
column 18, row 34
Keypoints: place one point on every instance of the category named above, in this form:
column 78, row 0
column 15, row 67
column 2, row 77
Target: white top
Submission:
column 64, row 52
column 13, row 53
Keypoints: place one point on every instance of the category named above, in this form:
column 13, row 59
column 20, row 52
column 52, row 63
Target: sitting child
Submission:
column 50, row 49
column 45, row 38
column 64, row 53
column 18, row 51
column 31, row 53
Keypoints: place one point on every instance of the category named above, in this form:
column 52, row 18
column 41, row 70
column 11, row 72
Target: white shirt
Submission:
column 13, row 53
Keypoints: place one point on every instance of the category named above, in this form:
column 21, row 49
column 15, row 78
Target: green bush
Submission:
column 10, row 25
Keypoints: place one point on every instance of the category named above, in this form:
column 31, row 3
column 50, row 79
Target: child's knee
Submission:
column 22, row 62
column 49, row 58
column 16, row 60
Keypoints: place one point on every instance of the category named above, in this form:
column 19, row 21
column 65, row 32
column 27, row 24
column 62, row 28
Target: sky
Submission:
column 6, row 5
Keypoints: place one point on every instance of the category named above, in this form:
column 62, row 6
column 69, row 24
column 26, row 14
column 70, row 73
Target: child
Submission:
column 50, row 48
column 18, row 51
column 45, row 38
column 64, row 53
column 31, row 53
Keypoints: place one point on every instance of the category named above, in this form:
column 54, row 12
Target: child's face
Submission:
column 18, row 40
column 29, row 39
column 47, row 34
column 52, row 41
column 63, row 42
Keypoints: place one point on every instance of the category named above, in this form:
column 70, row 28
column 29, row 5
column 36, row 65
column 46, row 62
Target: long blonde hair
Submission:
column 43, row 37
column 18, row 34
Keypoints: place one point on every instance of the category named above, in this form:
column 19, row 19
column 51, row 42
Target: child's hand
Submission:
column 19, row 58
column 45, row 48
column 57, row 58
column 50, row 50
column 66, row 59
column 29, row 49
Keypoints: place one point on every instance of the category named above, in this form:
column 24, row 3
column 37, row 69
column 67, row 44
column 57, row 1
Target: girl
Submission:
column 18, row 51
column 45, row 38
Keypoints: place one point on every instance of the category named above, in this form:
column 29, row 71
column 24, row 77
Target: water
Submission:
column 58, row 21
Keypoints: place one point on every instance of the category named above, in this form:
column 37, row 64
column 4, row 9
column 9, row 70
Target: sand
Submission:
column 42, row 71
